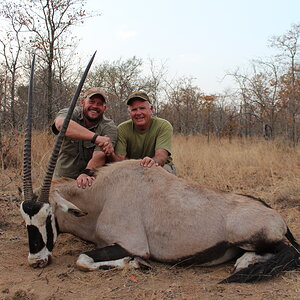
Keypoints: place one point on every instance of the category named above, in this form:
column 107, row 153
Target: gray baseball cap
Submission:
column 95, row 91
column 138, row 95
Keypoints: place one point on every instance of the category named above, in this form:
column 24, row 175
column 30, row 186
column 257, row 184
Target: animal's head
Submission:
column 38, row 213
column 42, row 231
column 42, row 227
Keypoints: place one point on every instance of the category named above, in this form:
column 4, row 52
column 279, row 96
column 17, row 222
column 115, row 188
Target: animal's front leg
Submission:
column 113, row 256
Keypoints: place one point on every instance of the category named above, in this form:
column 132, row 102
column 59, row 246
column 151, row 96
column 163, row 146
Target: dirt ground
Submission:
column 61, row 279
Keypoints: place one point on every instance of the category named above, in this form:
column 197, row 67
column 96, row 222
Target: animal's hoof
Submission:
column 42, row 263
column 38, row 262
column 139, row 263
column 85, row 263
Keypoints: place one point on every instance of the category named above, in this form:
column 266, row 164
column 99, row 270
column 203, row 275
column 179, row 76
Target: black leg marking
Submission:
column 205, row 256
column 112, row 252
column 113, row 256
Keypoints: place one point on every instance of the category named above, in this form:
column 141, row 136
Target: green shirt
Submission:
column 75, row 154
column 136, row 144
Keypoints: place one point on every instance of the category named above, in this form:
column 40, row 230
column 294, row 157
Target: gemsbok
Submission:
column 134, row 215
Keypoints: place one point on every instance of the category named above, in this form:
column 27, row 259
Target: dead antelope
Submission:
column 134, row 214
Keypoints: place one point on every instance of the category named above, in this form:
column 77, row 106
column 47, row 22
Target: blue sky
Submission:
column 196, row 38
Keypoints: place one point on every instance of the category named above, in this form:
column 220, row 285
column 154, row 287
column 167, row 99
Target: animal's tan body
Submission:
column 152, row 213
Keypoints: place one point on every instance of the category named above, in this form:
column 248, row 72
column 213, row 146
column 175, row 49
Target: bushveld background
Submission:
column 267, row 169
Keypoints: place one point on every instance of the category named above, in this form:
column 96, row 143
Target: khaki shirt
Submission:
column 75, row 154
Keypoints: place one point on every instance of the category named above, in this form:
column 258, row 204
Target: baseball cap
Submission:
column 138, row 95
column 95, row 91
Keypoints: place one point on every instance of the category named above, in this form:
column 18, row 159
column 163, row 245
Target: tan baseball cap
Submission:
column 95, row 91
column 138, row 95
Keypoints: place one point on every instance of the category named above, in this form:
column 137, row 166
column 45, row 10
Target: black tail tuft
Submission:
column 286, row 259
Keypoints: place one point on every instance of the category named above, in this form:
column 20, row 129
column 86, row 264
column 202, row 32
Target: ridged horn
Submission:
column 27, row 182
column 44, row 195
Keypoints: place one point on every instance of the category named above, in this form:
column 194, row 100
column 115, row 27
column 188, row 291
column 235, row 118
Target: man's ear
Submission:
column 82, row 101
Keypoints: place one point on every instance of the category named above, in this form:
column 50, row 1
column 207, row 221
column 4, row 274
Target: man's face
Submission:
column 93, row 108
column 140, row 112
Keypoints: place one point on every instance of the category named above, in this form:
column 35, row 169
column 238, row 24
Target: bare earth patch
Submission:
column 61, row 279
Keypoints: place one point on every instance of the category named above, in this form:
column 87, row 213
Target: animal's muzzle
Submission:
column 40, row 263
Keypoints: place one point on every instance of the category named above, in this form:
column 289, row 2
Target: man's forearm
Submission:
column 75, row 130
column 98, row 160
column 161, row 156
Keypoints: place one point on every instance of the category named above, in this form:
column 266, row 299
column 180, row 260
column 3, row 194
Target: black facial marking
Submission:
column 50, row 234
column 113, row 252
column 57, row 227
column 36, row 242
column 31, row 208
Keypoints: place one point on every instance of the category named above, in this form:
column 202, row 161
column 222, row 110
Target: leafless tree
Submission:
column 50, row 23
column 13, row 43
column 259, row 94
column 184, row 107
column 288, row 43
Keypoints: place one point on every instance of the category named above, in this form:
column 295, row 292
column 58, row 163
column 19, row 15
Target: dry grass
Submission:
column 11, row 177
column 266, row 169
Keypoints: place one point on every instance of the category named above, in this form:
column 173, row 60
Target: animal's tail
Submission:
column 286, row 259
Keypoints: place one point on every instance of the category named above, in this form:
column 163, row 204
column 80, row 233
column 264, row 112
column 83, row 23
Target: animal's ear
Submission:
column 67, row 206
column 77, row 212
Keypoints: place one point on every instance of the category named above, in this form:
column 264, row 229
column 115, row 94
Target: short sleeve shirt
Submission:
column 136, row 144
column 75, row 154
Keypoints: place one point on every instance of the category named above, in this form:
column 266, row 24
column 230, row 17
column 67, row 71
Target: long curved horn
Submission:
column 27, row 182
column 44, row 195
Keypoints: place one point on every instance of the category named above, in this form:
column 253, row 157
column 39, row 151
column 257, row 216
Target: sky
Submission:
column 204, row 40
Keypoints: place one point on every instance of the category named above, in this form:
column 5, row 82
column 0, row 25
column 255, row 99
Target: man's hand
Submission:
column 148, row 162
column 105, row 144
column 84, row 181
column 107, row 148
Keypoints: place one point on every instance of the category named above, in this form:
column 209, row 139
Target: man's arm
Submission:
column 76, row 131
column 85, row 179
column 163, row 147
column 159, row 159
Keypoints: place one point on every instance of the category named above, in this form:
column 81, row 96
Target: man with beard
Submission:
column 90, row 138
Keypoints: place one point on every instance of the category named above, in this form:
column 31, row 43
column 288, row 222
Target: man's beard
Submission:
column 90, row 119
